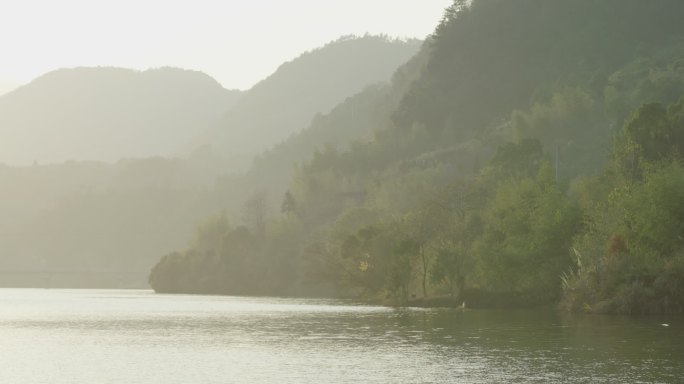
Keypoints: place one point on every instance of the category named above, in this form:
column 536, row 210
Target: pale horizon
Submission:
column 236, row 43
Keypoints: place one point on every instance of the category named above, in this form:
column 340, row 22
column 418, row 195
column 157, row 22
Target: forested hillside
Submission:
column 87, row 224
column 106, row 114
column 357, row 118
column 104, row 224
column 534, row 158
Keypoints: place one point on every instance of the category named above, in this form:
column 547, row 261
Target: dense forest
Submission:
column 529, row 154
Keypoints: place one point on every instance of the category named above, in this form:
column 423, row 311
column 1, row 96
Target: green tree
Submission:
column 527, row 233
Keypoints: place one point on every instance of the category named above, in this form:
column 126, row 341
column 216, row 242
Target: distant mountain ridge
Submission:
column 106, row 113
column 7, row 86
column 314, row 83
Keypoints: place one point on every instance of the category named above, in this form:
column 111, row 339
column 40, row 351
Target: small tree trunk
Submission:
column 425, row 268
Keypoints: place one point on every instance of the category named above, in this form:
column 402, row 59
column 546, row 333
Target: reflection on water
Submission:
column 84, row 336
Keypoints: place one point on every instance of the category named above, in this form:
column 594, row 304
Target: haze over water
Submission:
column 114, row 336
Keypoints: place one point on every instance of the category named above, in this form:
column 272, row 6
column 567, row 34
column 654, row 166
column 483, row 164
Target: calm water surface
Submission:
column 110, row 336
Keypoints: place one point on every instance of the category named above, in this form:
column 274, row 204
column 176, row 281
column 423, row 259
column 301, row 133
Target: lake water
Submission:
column 120, row 336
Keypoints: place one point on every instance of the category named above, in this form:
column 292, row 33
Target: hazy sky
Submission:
column 238, row 42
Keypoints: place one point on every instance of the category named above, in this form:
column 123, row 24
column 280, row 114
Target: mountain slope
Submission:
column 285, row 102
column 106, row 114
column 485, row 184
column 355, row 120
column 116, row 219
column 88, row 224
column 6, row 87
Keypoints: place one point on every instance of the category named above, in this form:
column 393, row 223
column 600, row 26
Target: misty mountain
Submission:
column 535, row 158
column 103, row 223
column 6, row 87
column 356, row 120
column 117, row 218
column 106, row 114
column 313, row 83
